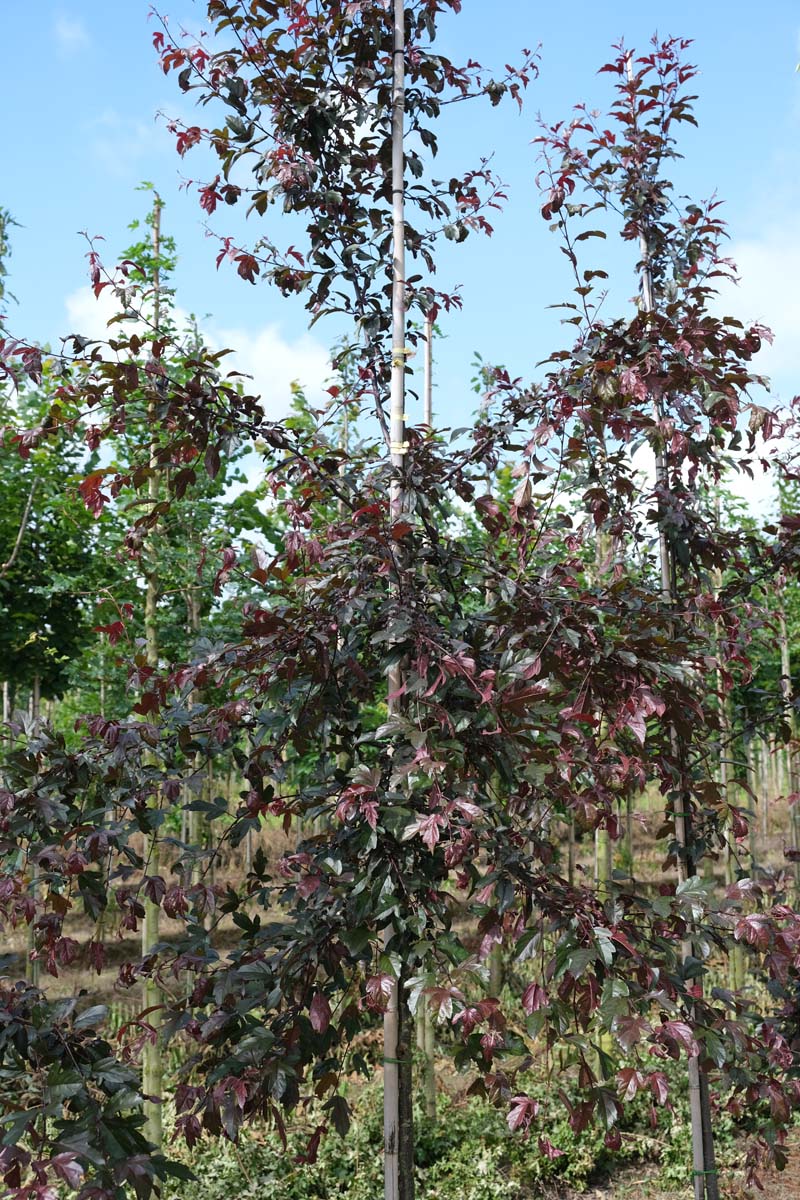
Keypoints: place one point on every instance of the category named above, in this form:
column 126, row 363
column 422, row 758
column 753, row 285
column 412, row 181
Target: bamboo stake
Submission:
column 704, row 1176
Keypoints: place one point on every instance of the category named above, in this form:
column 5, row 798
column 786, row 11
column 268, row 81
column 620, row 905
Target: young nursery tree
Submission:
column 525, row 691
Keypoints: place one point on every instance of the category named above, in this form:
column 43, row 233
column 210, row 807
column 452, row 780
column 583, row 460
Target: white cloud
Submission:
column 275, row 363
column 769, row 268
column 70, row 34
column 273, row 360
column 89, row 315
column 757, row 494
column 119, row 143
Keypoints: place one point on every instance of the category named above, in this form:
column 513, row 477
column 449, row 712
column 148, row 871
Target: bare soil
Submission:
column 639, row 1183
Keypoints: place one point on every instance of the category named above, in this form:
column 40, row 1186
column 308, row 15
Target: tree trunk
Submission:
column 756, row 852
column 629, row 833
column 786, row 689
column 704, row 1174
column 602, row 862
column 426, row 1044
column 496, row 969
column 193, row 818
column 736, row 965
column 736, row 962
column 406, row 1081
column 32, row 962
column 152, row 1065
column 391, row 1094
column 571, row 852
column 207, row 829
column 397, row 1116
column 764, row 797
column 102, row 675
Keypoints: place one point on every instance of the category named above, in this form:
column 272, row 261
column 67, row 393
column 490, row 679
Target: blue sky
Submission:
column 84, row 87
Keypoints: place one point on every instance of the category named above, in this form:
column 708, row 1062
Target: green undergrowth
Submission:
column 468, row 1154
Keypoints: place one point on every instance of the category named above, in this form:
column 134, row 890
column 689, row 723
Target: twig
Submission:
column 6, row 567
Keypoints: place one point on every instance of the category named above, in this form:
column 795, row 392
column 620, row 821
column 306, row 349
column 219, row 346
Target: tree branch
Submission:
column 6, row 567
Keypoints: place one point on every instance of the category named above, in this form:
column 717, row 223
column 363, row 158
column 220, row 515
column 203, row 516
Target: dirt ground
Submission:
column 638, row 1183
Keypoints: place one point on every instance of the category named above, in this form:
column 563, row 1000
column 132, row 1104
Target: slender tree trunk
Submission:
column 406, row 1140
column 602, row 840
column 102, row 675
column 397, row 1117
column 152, row 1059
column 426, row 1044
column 193, row 819
column 207, row 829
column 571, row 852
column 629, row 833
column 496, row 969
column 100, row 929
column 32, row 971
column 704, row 1175
column 786, row 689
column 602, row 837
column 602, row 861
column 750, row 775
column 391, row 1094
column 35, row 700
column 736, row 963
column 426, row 1036
column 763, row 789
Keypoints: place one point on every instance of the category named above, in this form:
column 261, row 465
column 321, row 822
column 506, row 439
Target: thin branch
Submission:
column 6, row 567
